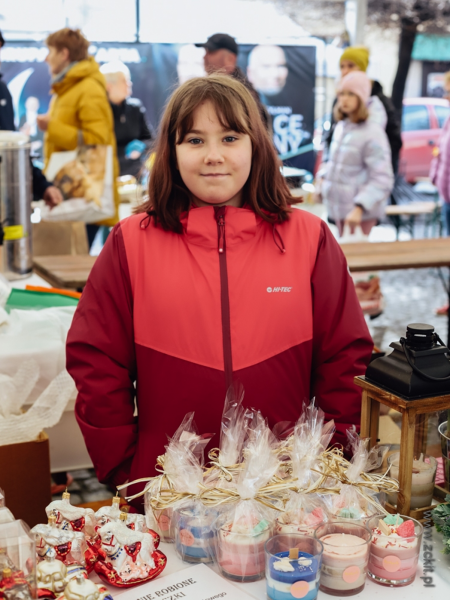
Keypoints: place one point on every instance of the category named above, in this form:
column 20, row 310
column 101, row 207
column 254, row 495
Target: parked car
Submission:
column 422, row 122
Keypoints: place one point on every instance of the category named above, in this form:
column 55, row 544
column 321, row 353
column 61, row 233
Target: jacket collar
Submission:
column 200, row 226
column 76, row 72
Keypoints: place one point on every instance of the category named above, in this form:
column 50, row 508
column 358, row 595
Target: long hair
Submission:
column 360, row 115
column 265, row 191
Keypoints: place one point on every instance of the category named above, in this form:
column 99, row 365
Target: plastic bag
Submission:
column 86, row 179
column 304, row 512
column 242, row 531
column 38, row 335
column 350, row 503
column 44, row 413
column 182, row 467
column 227, row 460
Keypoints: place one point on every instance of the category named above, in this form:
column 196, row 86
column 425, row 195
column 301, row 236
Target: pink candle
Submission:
column 394, row 550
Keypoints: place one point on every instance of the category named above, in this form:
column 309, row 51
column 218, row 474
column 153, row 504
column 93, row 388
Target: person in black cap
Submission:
column 221, row 56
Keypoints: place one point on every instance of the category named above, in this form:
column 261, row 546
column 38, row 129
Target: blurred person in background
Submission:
column 356, row 58
column 267, row 70
column 79, row 111
column 358, row 176
column 28, row 125
column 130, row 125
column 221, row 53
column 440, row 173
column 41, row 187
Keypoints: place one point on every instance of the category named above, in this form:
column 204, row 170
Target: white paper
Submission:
column 195, row 583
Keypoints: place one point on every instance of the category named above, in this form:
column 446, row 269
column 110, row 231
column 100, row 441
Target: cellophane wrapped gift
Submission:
column 17, row 562
column 243, row 529
column 182, row 466
column 193, row 522
column 227, row 459
column 305, row 509
column 355, row 502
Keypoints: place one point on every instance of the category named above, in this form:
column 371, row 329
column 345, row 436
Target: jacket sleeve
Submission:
column 101, row 359
column 377, row 160
column 342, row 345
column 94, row 116
column 393, row 130
column 144, row 130
column 40, row 183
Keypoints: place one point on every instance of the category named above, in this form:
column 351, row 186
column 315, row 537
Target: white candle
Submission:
column 423, row 476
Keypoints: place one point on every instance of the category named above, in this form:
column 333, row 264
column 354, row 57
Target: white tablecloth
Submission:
column 372, row 591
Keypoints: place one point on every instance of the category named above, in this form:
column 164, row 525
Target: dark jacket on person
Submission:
column 130, row 124
column 40, row 183
column 393, row 126
column 239, row 75
column 6, row 108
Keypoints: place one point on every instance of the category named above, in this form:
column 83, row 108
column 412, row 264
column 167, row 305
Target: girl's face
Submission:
column 348, row 102
column 347, row 66
column 214, row 162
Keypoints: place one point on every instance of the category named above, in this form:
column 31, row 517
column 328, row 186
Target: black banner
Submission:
column 284, row 77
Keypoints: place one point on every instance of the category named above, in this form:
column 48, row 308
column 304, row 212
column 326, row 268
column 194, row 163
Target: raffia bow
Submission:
column 271, row 495
column 333, row 465
column 225, row 472
column 159, row 483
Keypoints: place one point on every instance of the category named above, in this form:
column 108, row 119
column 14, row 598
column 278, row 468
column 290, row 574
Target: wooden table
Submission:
column 66, row 272
column 404, row 215
column 386, row 256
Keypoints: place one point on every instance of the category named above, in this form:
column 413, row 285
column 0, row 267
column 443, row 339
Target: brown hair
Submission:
column 73, row 40
column 265, row 191
column 360, row 115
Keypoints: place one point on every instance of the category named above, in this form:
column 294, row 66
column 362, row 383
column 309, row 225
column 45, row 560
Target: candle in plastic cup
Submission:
column 423, row 476
column 394, row 549
column 293, row 567
column 240, row 548
column 345, row 557
column 194, row 534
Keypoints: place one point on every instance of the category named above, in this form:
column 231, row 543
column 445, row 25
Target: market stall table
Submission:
column 66, row 271
column 372, row 591
column 387, row 256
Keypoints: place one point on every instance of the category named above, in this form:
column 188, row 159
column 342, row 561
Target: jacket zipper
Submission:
column 219, row 214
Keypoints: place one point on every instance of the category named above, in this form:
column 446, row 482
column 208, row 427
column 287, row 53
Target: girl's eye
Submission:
column 230, row 138
column 194, row 141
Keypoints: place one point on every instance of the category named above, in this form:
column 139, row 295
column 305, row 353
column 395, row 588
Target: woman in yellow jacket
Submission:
column 79, row 111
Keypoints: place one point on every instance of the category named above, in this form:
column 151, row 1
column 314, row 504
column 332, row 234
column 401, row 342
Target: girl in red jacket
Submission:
column 215, row 279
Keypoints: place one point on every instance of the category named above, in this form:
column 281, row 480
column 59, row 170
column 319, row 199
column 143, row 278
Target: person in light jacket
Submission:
column 440, row 173
column 358, row 176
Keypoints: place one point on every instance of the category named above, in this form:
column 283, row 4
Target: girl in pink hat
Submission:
column 358, row 176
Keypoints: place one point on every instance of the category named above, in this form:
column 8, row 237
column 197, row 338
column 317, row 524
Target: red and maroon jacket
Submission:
column 182, row 315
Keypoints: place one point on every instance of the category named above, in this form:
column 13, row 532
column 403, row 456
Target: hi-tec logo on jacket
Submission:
column 279, row 289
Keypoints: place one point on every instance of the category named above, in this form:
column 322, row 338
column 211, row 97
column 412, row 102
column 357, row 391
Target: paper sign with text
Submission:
column 194, row 583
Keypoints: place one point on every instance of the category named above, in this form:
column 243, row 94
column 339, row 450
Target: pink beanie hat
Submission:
column 358, row 83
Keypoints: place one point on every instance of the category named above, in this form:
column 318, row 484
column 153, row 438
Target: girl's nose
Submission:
column 213, row 154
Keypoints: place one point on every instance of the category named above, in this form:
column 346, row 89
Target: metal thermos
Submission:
column 15, row 205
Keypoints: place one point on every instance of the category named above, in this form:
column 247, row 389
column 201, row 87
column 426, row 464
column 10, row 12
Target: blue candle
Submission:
column 293, row 578
column 194, row 536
